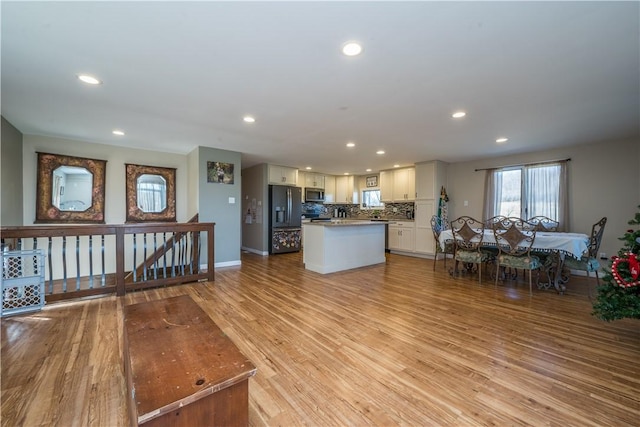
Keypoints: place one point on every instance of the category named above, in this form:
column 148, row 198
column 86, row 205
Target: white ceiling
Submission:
column 178, row 75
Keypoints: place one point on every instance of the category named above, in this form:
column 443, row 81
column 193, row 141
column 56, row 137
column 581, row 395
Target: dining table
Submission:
column 555, row 245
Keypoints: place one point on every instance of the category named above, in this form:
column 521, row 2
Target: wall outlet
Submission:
column 395, row 210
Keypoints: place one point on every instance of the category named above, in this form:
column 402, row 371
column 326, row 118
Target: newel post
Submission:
column 120, row 288
column 210, row 257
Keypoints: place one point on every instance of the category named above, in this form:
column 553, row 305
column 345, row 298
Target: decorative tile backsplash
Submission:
column 354, row 210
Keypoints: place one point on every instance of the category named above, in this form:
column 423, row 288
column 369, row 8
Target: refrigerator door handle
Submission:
column 289, row 205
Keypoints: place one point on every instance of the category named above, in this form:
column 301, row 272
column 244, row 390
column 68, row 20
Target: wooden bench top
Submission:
column 178, row 355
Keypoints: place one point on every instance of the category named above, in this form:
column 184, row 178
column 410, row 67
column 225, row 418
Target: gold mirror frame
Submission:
column 46, row 212
column 134, row 213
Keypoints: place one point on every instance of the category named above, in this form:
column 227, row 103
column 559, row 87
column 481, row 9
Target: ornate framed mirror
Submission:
column 151, row 193
column 70, row 189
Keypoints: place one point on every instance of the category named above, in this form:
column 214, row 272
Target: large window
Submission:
column 527, row 191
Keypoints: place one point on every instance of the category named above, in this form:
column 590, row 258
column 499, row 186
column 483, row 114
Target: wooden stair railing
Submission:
column 90, row 260
column 154, row 258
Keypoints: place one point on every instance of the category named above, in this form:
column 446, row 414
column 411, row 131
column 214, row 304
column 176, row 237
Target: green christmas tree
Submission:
column 619, row 295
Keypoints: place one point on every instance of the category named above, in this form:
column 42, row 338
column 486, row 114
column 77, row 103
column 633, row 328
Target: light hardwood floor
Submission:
column 393, row 344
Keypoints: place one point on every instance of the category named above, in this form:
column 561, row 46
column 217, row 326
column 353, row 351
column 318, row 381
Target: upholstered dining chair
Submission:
column 543, row 223
column 467, row 235
column 589, row 261
column 437, row 225
column 514, row 242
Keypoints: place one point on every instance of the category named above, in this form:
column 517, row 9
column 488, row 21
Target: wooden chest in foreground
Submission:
column 181, row 369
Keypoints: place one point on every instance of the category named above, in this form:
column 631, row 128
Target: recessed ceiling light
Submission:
column 351, row 144
column 249, row 119
column 352, row 48
column 396, row 166
column 501, row 140
column 89, row 79
column 346, row 173
column 118, row 132
column 308, row 168
column 458, row 114
column 380, row 152
column 368, row 170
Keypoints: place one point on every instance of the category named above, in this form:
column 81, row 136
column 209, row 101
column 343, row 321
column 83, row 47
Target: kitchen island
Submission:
column 338, row 245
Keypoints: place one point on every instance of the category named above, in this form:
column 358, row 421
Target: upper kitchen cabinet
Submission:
column 429, row 179
column 301, row 178
column 386, row 186
column 283, row 175
column 313, row 180
column 329, row 189
column 346, row 191
column 398, row 185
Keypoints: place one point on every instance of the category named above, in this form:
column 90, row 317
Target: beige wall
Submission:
column 602, row 182
column 116, row 157
column 255, row 236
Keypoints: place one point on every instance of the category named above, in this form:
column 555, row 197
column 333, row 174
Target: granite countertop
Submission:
column 385, row 219
column 341, row 222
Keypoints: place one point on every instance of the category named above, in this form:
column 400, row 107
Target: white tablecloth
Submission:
column 572, row 244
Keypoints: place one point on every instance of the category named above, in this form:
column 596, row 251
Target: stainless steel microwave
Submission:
column 313, row 195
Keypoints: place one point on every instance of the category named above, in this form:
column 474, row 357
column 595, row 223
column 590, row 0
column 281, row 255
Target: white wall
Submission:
column 602, row 182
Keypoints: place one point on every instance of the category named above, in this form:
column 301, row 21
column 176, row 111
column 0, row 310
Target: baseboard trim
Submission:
column 255, row 251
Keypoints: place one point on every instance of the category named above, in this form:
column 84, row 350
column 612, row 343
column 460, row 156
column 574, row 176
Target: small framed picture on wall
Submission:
column 372, row 181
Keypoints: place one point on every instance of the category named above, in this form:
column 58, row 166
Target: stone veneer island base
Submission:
column 342, row 245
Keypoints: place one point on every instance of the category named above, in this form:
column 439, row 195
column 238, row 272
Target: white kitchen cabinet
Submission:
column 329, row 189
column 313, row 180
column 425, row 242
column 283, row 175
column 404, row 184
column 386, row 186
column 429, row 179
column 346, row 192
column 301, row 180
column 402, row 236
column 398, row 185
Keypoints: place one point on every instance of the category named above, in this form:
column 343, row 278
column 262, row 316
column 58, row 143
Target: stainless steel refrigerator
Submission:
column 285, row 221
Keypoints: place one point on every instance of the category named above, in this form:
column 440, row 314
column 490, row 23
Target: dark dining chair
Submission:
column 589, row 261
column 468, row 234
column 543, row 223
column 495, row 222
column 514, row 242
column 437, row 225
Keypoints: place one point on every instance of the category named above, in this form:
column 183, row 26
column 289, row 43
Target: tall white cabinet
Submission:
column 430, row 177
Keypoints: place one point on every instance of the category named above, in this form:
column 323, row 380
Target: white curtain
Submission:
column 541, row 191
column 151, row 196
column 492, row 192
column 544, row 192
